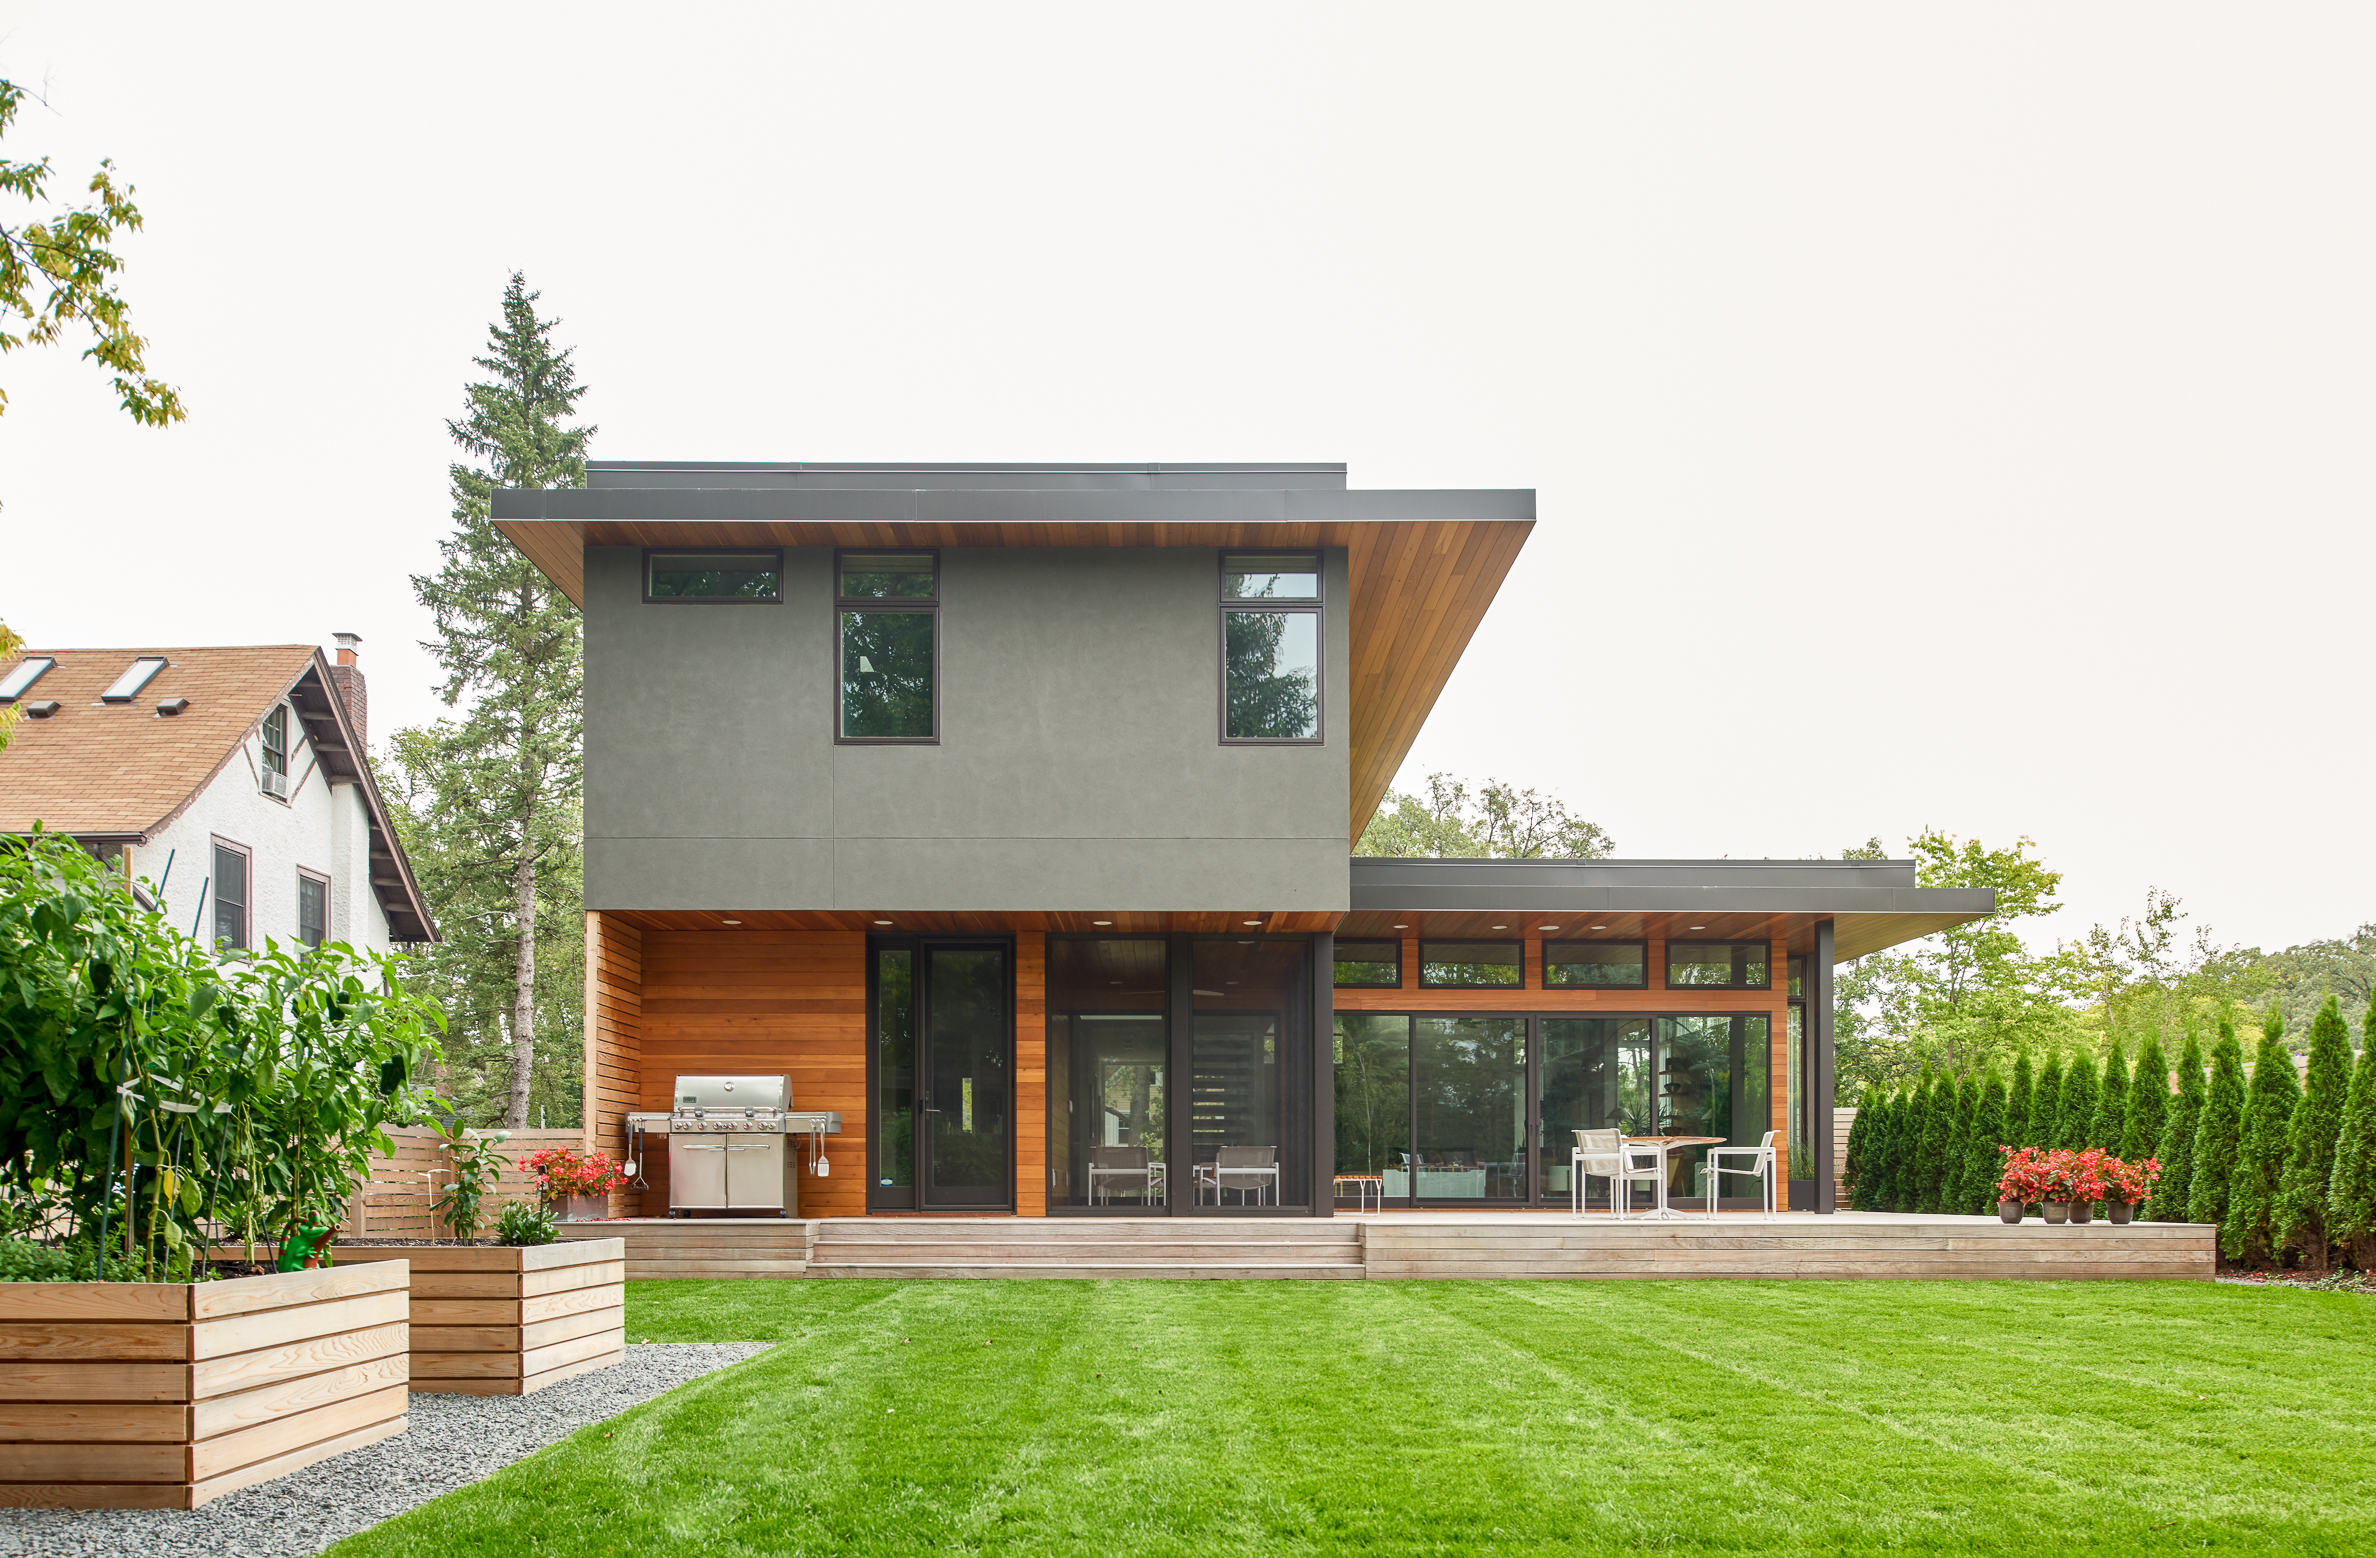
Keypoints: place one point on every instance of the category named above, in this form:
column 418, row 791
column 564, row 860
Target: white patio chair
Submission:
column 1125, row 1167
column 1606, row 1154
column 1760, row 1161
column 1246, row 1170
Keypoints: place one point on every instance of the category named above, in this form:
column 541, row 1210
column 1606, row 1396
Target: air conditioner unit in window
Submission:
column 276, row 784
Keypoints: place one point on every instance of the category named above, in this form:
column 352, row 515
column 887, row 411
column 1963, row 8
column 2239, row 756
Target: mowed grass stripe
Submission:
column 1198, row 1418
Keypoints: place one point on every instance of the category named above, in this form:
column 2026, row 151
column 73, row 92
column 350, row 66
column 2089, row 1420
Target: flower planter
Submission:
column 163, row 1395
column 501, row 1320
column 2120, row 1211
column 2008, row 1211
column 2082, row 1211
column 2057, row 1211
column 582, row 1209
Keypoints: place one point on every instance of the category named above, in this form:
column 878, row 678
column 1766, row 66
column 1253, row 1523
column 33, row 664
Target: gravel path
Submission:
column 453, row 1442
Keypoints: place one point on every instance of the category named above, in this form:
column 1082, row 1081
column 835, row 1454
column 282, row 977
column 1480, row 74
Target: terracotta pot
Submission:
column 2121, row 1211
column 2082, row 1211
column 2058, row 1211
column 2008, row 1211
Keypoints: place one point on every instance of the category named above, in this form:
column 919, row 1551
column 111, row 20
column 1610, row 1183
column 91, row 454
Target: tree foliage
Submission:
column 2299, row 1216
column 2260, row 1147
column 2076, row 1118
column 1500, row 822
column 2148, row 1106
column 2218, row 1131
column 2172, row 1195
column 489, row 802
column 59, row 272
column 2351, row 1192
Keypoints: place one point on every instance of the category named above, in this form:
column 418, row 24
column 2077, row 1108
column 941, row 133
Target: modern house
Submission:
column 232, row 778
column 1009, row 810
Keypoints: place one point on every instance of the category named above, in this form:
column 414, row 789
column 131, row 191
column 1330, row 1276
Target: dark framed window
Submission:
column 887, row 647
column 1798, row 976
column 1718, row 965
column 1472, row 965
column 712, row 578
column 229, row 884
column 313, row 907
column 1368, row 965
column 1271, row 641
column 1596, row 965
column 276, row 740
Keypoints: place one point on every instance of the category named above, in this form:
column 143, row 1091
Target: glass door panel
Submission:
column 1595, row 1076
column 1109, row 1042
column 895, row 1079
column 1711, row 1081
column 1249, row 1064
column 967, row 1097
column 1469, row 1082
column 1373, row 1108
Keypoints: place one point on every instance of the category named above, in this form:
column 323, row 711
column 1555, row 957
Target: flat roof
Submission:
column 1043, row 476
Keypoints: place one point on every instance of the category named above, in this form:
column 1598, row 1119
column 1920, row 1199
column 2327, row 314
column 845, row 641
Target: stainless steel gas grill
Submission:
column 735, row 1144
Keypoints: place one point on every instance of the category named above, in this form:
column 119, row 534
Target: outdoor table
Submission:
column 1365, row 1186
column 1667, row 1146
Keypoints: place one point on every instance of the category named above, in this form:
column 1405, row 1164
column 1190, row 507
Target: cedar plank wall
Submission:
column 1534, row 998
column 1031, row 1073
column 614, row 1035
column 760, row 1002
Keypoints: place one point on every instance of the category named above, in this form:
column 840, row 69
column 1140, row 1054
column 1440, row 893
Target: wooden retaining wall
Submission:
column 705, row 1247
column 499, row 1320
column 165, row 1395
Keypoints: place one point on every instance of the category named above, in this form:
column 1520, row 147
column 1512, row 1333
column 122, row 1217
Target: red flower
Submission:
column 561, row 1171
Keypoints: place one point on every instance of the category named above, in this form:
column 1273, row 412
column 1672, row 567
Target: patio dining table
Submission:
column 1668, row 1146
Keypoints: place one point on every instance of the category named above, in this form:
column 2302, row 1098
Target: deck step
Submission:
column 1095, row 1270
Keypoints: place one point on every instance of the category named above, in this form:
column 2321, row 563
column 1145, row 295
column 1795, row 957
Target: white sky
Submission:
column 1942, row 416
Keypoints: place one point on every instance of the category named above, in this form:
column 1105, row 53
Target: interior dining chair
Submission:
column 1760, row 1165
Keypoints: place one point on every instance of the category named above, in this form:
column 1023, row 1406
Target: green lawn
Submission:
column 1145, row 1418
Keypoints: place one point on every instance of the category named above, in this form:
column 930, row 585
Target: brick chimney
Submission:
column 349, row 677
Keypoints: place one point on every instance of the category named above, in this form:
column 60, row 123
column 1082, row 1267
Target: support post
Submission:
column 1819, row 1024
column 1324, row 1075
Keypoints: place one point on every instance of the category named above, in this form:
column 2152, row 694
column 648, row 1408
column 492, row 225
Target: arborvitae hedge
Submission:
column 2017, row 1107
column 2351, row 1194
column 2299, row 1216
column 2111, row 1111
column 2148, row 1105
column 2178, row 1136
column 2046, row 1104
column 2217, row 1133
column 1860, row 1134
column 1938, row 1123
column 2260, row 1150
column 1988, row 1134
column 1951, row 1156
column 1880, row 1160
column 2076, row 1122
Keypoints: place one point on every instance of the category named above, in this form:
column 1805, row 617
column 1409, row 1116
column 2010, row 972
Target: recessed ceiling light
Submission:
column 1104, row 922
column 882, row 922
column 724, row 921
column 1253, row 922
column 1546, row 927
column 1699, row 927
column 1402, row 927
column 1600, row 927
column 1116, row 982
column 1501, row 927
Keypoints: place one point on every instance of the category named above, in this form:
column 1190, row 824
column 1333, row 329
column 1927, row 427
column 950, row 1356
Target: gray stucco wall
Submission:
column 1079, row 766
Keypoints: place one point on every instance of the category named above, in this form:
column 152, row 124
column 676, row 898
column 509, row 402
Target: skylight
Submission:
column 136, row 676
column 23, row 675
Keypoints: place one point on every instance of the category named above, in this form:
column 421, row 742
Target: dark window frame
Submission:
column 1314, row 605
column 1666, row 971
column 910, row 1197
column 304, row 876
column 913, row 605
column 650, row 552
column 1471, row 941
column 274, row 760
column 1595, row 941
column 1337, row 956
column 247, row 894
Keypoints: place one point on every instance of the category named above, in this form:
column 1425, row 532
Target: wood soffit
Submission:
column 1419, row 587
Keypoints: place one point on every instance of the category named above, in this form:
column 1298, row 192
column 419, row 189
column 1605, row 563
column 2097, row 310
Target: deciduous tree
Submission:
column 1500, row 822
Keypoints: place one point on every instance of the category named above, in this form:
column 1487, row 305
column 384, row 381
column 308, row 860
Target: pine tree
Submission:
column 2111, row 1112
column 1938, row 1119
column 2148, row 1104
column 2351, row 1194
column 2217, row 1134
column 2076, row 1118
column 1988, row 1134
column 2177, row 1153
column 2017, row 1107
column 2260, row 1150
column 2299, row 1215
column 490, row 802
column 2046, row 1106
column 1860, row 1136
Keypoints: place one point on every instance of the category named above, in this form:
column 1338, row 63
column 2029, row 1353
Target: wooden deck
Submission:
column 1405, row 1245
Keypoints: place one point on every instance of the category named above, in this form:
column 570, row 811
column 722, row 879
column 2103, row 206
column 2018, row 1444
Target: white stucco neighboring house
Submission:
column 231, row 779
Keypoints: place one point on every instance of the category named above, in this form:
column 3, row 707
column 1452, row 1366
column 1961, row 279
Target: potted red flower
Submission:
column 2126, row 1184
column 2022, row 1182
column 577, row 1185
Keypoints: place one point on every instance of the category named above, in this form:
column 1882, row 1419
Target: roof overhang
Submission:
column 1424, row 564
column 1872, row 904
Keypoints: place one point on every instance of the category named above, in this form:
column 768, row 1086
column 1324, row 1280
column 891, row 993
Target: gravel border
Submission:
column 453, row 1442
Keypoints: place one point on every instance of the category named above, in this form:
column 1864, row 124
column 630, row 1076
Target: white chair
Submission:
column 1246, row 1170
column 1606, row 1154
column 1760, row 1161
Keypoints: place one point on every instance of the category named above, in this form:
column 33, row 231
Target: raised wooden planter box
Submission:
column 121, row 1395
column 497, row 1320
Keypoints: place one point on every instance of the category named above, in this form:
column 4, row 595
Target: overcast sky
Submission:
column 1949, row 417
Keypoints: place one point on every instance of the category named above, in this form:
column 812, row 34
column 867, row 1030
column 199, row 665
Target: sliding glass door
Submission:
column 943, row 1042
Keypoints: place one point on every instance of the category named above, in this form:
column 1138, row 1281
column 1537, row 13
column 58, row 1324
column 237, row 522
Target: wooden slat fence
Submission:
column 395, row 1204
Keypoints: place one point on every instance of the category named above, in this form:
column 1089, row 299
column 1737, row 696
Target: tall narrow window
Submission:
column 313, row 909
column 895, row 1062
column 887, row 612
column 276, row 740
column 230, row 888
column 1270, row 647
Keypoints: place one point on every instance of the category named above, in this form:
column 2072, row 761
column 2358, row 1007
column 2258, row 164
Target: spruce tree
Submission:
column 2018, row 1098
column 1988, row 1134
column 2217, row 1133
column 2111, row 1112
column 2299, row 1216
column 2177, row 1153
column 2260, row 1149
column 2351, row 1194
column 2148, row 1104
column 1860, row 1135
column 2076, row 1118
column 1938, row 1118
column 2046, row 1106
